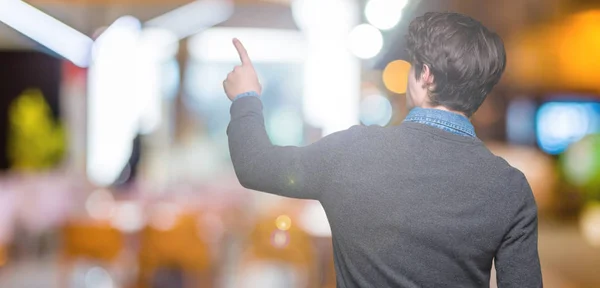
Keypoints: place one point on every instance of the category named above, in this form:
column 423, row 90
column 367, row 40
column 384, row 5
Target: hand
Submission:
column 243, row 77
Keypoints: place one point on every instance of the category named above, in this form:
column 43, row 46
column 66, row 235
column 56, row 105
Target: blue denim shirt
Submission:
column 445, row 120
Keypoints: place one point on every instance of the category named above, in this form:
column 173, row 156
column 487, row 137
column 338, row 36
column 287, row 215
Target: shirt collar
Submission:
column 445, row 120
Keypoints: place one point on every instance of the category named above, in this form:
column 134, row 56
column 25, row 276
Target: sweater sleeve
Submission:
column 517, row 261
column 297, row 172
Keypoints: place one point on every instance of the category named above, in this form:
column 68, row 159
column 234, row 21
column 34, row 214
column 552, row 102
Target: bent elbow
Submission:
column 244, row 176
column 244, row 181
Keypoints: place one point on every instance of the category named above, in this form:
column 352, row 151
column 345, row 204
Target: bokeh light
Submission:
column 285, row 127
column 280, row 239
column 375, row 110
column 164, row 216
column 329, row 69
column 283, row 222
column 561, row 123
column 581, row 161
column 384, row 14
column 365, row 41
column 128, row 217
column 100, row 204
column 310, row 15
column 98, row 277
column 590, row 224
column 395, row 76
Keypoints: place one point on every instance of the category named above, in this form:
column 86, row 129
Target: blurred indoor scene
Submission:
column 115, row 168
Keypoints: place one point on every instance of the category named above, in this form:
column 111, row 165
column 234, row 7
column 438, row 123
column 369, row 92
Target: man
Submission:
column 423, row 204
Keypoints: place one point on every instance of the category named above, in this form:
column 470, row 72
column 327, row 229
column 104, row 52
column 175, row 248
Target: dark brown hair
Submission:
column 465, row 58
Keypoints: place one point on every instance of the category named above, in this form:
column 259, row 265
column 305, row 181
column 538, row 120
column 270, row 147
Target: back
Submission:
column 415, row 206
column 409, row 206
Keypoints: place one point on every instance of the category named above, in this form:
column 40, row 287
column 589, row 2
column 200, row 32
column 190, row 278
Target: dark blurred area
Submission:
column 115, row 169
column 22, row 70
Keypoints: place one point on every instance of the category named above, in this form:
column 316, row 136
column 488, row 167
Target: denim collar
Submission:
column 445, row 120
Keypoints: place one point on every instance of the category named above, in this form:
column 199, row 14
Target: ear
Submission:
column 426, row 75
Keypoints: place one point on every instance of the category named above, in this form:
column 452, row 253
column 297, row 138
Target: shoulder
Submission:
column 351, row 134
column 513, row 177
column 509, row 182
column 517, row 189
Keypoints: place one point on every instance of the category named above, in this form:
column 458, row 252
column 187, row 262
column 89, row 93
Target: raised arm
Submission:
column 517, row 261
column 298, row 172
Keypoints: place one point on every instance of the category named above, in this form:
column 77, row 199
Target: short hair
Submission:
column 466, row 59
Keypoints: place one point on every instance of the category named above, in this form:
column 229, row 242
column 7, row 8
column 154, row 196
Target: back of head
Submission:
column 465, row 59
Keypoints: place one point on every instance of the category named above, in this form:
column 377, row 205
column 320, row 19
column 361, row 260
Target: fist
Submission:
column 243, row 77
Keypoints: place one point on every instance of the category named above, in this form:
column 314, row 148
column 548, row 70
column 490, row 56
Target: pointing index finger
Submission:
column 242, row 52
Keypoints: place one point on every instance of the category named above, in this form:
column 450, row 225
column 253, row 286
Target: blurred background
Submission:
column 115, row 169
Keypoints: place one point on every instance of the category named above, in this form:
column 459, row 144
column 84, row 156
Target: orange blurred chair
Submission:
column 96, row 241
column 3, row 255
column 179, row 246
column 276, row 240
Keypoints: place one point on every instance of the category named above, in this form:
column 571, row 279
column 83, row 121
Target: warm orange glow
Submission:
column 526, row 59
column 563, row 55
column 93, row 240
column 395, row 76
column 283, row 222
column 2, row 256
column 579, row 44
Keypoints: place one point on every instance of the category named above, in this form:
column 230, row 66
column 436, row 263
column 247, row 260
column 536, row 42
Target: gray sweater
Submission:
column 409, row 206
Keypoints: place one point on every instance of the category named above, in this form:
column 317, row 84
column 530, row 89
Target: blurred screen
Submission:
column 561, row 123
